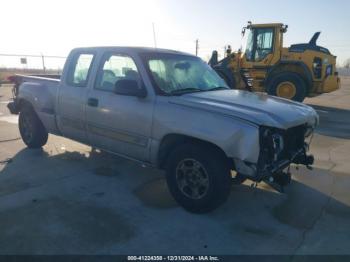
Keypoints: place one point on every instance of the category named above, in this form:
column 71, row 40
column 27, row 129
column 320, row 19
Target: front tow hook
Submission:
column 279, row 180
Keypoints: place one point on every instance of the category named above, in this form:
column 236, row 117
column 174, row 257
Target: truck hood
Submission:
column 257, row 108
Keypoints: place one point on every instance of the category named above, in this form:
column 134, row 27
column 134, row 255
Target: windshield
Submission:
column 176, row 74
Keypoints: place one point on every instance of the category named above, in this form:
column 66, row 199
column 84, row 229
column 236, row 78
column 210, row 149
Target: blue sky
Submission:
column 217, row 23
column 54, row 27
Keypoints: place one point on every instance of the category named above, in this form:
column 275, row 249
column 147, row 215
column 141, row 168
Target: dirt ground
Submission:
column 67, row 199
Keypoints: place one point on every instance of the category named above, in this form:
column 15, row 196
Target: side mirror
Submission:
column 128, row 87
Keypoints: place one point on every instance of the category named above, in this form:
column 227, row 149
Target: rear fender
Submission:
column 41, row 98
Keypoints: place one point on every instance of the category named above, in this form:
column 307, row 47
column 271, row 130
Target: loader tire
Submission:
column 32, row 131
column 198, row 179
column 288, row 85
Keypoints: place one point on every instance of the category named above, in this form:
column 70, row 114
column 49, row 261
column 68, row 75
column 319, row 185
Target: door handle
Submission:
column 93, row 102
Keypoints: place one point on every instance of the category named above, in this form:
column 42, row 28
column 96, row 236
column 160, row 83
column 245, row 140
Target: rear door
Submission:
column 121, row 124
column 72, row 96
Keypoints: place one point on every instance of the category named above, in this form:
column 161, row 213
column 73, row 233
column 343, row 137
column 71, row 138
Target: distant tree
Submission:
column 347, row 63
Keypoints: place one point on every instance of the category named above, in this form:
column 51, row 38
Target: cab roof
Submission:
column 129, row 49
column 267, row 25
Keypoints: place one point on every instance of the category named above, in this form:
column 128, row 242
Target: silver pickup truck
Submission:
column 170, row 110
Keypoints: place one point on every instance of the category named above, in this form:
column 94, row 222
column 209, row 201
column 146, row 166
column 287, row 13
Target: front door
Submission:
column 259, row 54
column 260, row 47
column 121, row 124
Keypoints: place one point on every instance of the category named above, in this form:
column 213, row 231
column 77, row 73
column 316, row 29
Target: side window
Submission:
column 79, row 70
column 264, row 43
column 115, row 68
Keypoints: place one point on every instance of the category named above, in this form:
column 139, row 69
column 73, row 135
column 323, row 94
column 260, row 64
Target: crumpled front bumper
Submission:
column 299, row 157
column 278, row 150
column 252, row 171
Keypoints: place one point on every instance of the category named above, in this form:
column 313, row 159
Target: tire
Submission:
column 289, row 79
column 213, row 175
column 32, row 131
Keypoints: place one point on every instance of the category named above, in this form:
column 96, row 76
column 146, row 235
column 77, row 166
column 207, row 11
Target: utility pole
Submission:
column 43, row 61
column 197, row 47
column 154, row 36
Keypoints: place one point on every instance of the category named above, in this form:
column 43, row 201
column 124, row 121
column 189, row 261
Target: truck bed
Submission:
column 19, row 79
column 44, row 99
column 47, row 82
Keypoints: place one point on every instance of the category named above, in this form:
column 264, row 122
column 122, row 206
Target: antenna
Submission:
column 154, row 36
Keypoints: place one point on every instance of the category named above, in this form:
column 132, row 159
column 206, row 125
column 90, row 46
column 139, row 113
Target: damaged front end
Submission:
column 278, row 150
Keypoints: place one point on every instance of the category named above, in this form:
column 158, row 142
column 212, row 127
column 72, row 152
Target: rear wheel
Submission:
column 32, row 131
column 288, row 85
column 198, row 180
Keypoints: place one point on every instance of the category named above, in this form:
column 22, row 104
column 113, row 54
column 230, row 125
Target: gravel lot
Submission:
column 67, row 199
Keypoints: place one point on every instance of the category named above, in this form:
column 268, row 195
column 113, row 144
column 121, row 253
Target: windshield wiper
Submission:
column 218, row 88
column 192, row 90
column 184, row 91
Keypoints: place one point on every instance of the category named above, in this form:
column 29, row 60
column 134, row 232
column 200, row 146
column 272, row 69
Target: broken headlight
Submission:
column 272, row 143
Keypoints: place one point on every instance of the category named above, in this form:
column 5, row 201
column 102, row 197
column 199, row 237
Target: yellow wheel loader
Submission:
column 302, row 70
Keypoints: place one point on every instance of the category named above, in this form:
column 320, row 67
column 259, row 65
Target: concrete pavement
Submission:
column 68, row 199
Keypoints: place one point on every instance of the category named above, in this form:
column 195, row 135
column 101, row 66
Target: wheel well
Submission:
column 171, row 141
column 296, row 68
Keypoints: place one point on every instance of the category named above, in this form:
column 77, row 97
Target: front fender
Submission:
column 237, row 138
column 280, row 67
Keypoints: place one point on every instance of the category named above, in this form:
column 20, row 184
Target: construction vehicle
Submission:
column 302, row 70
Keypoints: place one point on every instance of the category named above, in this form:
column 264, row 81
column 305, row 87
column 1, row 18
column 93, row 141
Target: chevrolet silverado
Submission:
column 167, row 109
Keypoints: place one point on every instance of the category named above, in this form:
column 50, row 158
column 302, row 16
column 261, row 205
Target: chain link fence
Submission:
column 344, row 71
column 29, row 64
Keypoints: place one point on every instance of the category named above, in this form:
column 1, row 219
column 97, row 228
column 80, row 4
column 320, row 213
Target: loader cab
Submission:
column 262, row 44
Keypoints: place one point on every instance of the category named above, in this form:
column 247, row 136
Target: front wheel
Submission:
column 198, row 179
column 32, row 131
column 288, row 85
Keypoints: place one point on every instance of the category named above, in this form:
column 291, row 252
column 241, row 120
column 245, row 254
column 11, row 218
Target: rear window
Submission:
column 79, row 70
